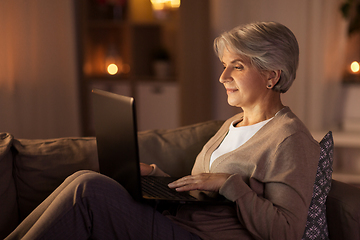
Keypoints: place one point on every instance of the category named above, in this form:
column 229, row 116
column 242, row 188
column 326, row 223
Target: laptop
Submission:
column 118, row 152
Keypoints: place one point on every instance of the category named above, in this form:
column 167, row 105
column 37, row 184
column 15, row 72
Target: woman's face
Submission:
column 244, row 84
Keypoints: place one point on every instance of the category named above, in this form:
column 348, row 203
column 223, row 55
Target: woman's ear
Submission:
column 273, row 78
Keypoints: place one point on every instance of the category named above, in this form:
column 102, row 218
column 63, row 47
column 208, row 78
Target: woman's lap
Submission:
column 89, row 204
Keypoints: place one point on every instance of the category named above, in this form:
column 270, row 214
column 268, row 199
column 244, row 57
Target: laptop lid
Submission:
column 116, row 136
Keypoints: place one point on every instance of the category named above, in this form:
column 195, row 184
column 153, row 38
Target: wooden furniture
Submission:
column 132, row 37
column 134, row 41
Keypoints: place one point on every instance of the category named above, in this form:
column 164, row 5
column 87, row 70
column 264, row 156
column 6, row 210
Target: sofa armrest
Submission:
column 343, row 211
column 8, row 207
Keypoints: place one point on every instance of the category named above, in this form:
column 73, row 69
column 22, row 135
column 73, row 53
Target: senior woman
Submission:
column 263, row 159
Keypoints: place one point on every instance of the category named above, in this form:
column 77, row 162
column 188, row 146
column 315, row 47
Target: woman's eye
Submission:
column 239, row 67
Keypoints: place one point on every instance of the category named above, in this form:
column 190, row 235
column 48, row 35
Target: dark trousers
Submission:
column 88, row 205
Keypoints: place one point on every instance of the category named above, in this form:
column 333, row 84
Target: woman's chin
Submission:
column 232, row 104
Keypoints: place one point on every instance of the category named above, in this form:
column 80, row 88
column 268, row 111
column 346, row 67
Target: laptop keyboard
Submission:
column 156, row 187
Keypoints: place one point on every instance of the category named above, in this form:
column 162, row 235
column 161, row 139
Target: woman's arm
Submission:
column 276, row 206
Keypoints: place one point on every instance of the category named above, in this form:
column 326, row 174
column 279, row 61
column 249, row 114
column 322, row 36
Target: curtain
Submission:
column 321, row 33
column 38, row 78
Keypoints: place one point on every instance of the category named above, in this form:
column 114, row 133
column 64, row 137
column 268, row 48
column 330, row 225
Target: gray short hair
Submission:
column 268, row 45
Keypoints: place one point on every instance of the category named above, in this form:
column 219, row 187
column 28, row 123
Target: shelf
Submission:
column 110, row 35
column 119, row 24
column 107, row 78
column 103, row 23
column 120, row 78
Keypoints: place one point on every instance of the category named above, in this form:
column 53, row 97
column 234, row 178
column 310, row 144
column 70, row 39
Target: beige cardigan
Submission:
column 272, row 183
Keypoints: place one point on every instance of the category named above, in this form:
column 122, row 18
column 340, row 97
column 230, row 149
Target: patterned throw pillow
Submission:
column 316, row 225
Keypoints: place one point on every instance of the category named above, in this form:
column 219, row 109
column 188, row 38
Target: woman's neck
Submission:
column 258, row 114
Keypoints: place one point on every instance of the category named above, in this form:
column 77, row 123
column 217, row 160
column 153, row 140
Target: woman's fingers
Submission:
column 187, row 183
column 203, row 181
column 145, row 169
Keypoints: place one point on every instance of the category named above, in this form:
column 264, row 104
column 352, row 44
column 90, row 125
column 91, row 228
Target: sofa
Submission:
column 30, row 169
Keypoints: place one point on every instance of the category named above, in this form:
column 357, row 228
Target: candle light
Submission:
column 112, row 69
column 355, row 67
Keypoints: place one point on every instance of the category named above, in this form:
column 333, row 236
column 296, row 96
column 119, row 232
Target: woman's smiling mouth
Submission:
column 231, row 90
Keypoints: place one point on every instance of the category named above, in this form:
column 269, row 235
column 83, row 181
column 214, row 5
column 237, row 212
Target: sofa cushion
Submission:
column 316, row 226
column 343, row 204
column 175, row 150
column 42, row 165
column 8, row 207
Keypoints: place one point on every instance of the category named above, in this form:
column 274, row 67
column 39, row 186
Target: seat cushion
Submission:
column 316, row 225
column 343, row 211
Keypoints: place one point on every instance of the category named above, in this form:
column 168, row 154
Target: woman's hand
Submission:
column 145, row 169
column 204, row 181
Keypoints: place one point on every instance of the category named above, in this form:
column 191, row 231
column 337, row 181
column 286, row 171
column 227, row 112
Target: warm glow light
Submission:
column 355, row 67
column 175, row 3
column 159, row 5
column 112, row 69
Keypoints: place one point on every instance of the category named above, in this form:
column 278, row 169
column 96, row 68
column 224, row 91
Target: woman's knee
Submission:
column 69, row 181
column 77, row 174
column 92, row 183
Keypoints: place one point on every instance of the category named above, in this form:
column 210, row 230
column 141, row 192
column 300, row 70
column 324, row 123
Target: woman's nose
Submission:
column 225, row 76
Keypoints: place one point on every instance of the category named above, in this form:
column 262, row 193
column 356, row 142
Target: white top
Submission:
column 236, row 137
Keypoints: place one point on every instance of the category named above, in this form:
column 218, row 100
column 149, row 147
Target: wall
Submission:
column 38, row 82
column 194, row 62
